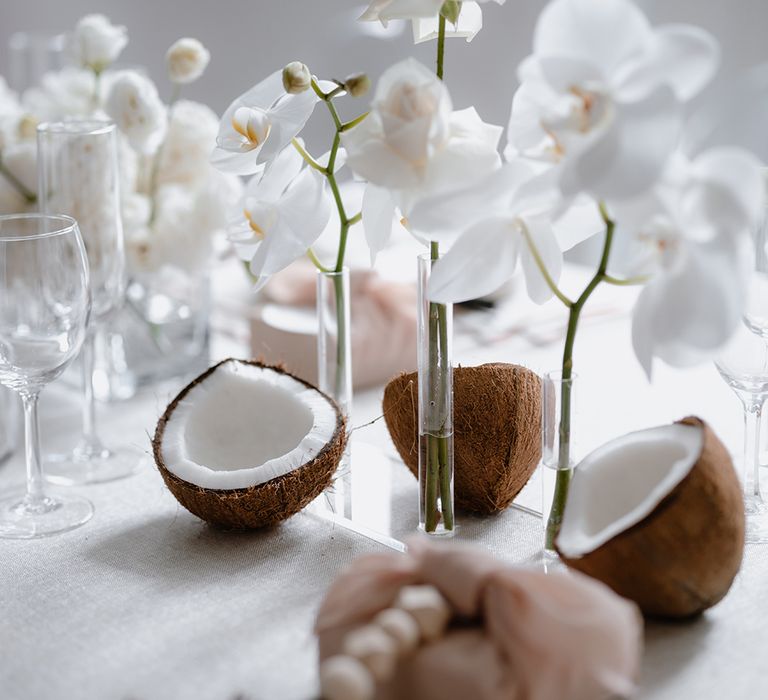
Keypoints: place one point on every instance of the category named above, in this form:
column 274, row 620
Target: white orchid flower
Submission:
column 259, row 124
column 515, row 213
column 693, row 225
column 413, row 145
column 286, row 209
column 424, row 16
column 603, row 93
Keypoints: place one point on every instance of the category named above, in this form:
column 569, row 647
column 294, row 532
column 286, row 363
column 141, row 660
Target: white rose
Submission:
column 64, row 94
column 186, row 59
column 191, row 138
column 97, row 42
column 133, row 104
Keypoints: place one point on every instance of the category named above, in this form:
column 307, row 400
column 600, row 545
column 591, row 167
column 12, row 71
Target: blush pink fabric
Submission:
column 522, row 634
column 383, row 321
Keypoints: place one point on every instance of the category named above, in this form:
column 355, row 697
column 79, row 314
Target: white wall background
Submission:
column 251, row 38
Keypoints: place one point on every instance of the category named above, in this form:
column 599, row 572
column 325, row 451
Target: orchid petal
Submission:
column 630, row 155
column 385, row 10
column 303, row 213
column 727, row 193
column 469, row 24
column 288, row 117
column 681, row 56
column 604, row 33
column 378, row 212
column 276, row 177
column 449, row 214
column 480, row 261
column 371, row 158
column 543, row 237
column 685, row 316
column 244, row 163
column 579, row 222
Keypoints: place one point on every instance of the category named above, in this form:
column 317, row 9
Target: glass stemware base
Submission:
column 756, row 509
column 24, row 518
column 93, row 465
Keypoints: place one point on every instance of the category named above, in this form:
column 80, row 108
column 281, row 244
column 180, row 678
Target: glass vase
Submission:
column 334, row 369
column 435, row 335
column 559, row 450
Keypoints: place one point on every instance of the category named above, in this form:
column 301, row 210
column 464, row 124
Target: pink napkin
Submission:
column 383, row 325
column 525, row 635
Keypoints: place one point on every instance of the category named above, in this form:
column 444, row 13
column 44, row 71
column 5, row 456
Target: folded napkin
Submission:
column 383, row 326
column 518, row 634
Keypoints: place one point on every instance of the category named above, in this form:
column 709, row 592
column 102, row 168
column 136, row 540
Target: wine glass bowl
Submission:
column 44, row 310
column 743, row 364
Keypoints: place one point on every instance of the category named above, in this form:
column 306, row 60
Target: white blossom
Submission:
column 134, row 105
column 186, row 60
column 96, row 42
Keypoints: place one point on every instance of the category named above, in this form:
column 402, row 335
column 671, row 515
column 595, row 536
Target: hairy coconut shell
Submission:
column 496, row 431
column 683, row 557
column 265, row 504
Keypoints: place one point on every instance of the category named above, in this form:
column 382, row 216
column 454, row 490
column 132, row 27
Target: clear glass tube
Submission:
column 435, row 336
column 334, row 370
column 334, row 346
column 559, row 449
column 78, row 175
column 44, row 308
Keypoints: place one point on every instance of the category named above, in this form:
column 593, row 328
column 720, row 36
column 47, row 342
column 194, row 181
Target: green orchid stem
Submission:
column 564, row 467
column 438, row 467
column 17, row 184
column 440, row 46
column 345, row 223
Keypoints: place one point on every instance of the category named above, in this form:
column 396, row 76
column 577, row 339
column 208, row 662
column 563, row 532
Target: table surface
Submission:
column 146, row 601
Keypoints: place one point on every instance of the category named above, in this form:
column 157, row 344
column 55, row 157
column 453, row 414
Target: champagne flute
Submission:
column 44, row 307
column 78, row 175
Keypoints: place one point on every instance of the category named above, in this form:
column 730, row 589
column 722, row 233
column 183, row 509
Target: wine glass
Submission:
column 44, row 307
column 78, row 176
column 743, row 364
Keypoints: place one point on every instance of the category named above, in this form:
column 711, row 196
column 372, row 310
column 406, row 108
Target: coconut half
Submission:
column 658, row 516
column 246, row 445
column 496, row 429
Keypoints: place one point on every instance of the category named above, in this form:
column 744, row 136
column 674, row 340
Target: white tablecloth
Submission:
column 147, row 602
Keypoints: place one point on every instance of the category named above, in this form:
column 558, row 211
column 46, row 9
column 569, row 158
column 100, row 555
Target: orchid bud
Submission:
column 451, row 10
column 296, row 78
column 357, row 84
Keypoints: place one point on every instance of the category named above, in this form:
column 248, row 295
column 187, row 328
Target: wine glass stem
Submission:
column 90, row 440
column 752, row 415
column 35, row 492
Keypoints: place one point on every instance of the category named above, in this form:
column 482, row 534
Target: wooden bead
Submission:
column 428, row 607
column 345, row 678
column 401, row 626
column 376, row 649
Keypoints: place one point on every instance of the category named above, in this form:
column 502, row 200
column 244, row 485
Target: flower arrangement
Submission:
column 174, row 202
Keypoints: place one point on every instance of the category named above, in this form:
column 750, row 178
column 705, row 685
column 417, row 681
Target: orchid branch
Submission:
column 316, row 262
column 308, row 159
column 564, row 469
column 542, row 265
column 628, row 282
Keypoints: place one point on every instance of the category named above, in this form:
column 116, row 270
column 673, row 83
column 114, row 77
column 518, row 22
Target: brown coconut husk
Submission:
column 257, row 506
column 496, row 428
column 683, row 557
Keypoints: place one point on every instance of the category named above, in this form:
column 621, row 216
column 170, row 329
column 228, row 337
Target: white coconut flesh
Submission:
column 244, row 425
column 621, row 483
